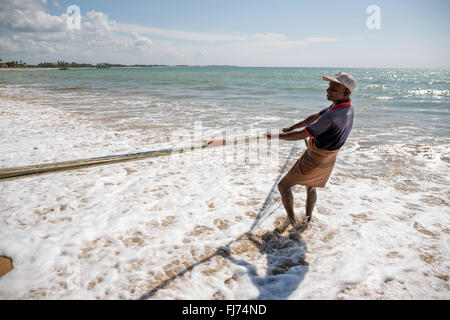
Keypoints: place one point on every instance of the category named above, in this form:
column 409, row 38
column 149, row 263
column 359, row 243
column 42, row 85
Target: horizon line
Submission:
column 155, row 65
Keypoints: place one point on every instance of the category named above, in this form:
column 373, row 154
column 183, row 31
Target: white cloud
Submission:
column 8, row 45
column 181, row 35
column 21, row 44
column 23, row 4
column 98, row 22
column 40, row 35
column 321, row 40
column 97, row 33
column 140, row 40
column 271, row 36
column 32, row 20
column 29, row 16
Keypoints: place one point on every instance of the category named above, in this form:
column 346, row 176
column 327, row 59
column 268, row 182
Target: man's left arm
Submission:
column 291, row 136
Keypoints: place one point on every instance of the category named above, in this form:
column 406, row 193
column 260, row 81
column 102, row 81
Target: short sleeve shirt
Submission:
column 333, row 127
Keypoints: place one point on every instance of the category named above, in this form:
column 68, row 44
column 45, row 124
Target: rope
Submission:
column 263, row 211
column 26, row 171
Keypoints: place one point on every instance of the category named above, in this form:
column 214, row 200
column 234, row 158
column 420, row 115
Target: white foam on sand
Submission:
column 152, row 228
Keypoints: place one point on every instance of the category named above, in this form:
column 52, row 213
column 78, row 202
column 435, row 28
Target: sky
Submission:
column 283, row 33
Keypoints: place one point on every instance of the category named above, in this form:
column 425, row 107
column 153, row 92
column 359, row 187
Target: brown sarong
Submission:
column 314, row 167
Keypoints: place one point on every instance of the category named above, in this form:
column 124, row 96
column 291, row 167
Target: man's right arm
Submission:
column 303, row 124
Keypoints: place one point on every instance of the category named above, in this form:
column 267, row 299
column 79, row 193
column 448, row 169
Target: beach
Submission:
column 26, row 69
column 130, row 230
column 72, row 68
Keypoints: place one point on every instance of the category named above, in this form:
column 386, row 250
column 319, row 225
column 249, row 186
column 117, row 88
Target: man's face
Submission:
column 337, row 92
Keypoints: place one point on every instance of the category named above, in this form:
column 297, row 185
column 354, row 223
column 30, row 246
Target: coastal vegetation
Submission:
column 13, row 64
column 64, row 65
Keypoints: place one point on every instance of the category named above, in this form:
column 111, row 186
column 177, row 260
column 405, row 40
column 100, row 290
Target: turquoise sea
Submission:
column 392, row 105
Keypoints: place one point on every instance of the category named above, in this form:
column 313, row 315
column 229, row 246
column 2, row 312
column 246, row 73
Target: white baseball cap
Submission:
column 346, row 79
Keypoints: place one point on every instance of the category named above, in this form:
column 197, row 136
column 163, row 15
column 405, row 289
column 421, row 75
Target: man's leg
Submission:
column 311, row 198
column 287, row 198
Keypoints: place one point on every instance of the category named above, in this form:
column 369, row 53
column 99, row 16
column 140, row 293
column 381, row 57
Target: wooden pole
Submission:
column 26, row 171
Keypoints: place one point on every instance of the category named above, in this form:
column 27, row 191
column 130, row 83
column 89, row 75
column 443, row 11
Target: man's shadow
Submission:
column 285, row 255
column 286, row 264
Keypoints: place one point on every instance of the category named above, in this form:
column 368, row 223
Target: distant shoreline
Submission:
column 81, row 68
column 32, row 69
column 203, row 66
column 115, row 67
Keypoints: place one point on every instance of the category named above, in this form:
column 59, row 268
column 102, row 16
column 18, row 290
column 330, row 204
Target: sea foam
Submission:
column 128, row 231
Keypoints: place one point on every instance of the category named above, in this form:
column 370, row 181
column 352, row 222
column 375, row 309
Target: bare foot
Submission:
column 292, row 221
column 299, row 228
column 283, row 226
column 306, row 222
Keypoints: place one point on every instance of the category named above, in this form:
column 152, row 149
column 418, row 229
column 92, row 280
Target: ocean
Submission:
column 392, row 104
column 380, row 228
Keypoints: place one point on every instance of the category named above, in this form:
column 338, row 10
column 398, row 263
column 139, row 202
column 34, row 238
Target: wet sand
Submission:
column 5, row 265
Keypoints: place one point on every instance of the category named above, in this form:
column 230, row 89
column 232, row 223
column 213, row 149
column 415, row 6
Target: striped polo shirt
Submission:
column 332, row 128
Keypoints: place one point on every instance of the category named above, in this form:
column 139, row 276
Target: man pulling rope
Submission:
column 328, row 131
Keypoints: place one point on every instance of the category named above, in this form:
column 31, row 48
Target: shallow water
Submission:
column 380, row 228
column 386, row 100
